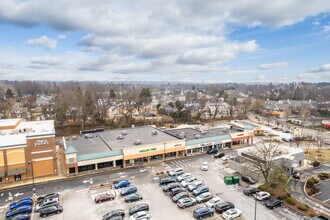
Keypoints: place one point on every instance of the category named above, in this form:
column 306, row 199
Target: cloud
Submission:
column 273, row 65
column 326, row 28
column 44, row 62
column 42, row 41
column 61, row 37
column 323, row 68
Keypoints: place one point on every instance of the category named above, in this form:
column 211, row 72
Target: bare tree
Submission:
column 262, row 158
column 287, row 112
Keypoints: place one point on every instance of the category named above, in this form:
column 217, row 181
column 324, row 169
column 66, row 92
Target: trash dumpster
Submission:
column 228, row 180
column 236, row 179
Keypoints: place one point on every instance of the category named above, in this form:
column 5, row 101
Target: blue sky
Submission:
column 187, row 41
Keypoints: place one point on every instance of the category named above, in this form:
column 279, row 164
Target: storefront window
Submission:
column 17, row 177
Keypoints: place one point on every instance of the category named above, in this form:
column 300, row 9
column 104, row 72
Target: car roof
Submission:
column 201, row 209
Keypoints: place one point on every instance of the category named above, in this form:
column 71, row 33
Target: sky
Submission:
column 204, row 41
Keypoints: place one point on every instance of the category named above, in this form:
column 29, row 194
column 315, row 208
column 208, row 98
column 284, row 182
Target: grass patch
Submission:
column 323, row 156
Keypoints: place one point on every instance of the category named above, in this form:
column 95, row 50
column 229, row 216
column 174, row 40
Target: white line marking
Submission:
column 82, row 190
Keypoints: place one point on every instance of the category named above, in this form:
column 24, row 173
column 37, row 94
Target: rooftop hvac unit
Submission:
column 120, row 137
column 137, row 142
column 154, row 133
column 88, row 135
column 124, row 133
column 74, row 137
column 197, row 136
column 181, row 136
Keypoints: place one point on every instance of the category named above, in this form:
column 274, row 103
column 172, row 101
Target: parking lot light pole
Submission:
column 33, row 184
column 255, row 210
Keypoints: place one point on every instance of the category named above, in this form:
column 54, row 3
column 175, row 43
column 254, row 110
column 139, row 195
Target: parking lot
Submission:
column 78, row 203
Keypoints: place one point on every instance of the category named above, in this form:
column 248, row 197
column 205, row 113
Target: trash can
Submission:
column 228, row 180
column 236, row 179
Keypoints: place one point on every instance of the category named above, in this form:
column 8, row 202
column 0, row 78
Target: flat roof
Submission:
column 192, row 134
column 130, row 135
column 9, row 122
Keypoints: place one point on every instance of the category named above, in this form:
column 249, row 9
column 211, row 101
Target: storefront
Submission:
column 204, row 144
column 244, row 137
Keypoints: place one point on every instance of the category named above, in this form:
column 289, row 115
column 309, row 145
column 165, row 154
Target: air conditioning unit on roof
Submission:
column 124, row 133
column 154, row 133
column 120, row 137
column 137, row 142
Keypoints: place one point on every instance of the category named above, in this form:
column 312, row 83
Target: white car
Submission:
column 212, row 202
column 205, row 166
column 195, row 185
column 262, row 195
column 176, row 172
column 140, row 215
column 184, row 176
column 226, row 157
column 204, row 197
column 188, row 181
column 232, row 214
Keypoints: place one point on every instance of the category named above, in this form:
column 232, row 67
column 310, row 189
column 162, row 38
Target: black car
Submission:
column 137, row 208
column 223, row 206
column 166, row 180
column 113, row 213
column 56, row 209
column 170, row 186
column 212, row 151
column 273, row 203
column 250, row 191
column 133, row 197
column 296, row 175
column 177, row 190
column 218, row 155
column 248, row 179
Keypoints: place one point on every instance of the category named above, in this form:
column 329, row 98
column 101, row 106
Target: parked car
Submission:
column 286, row 132
column 180, row 196
column 176, row 172
column 200, row 190
column 285, row 139
column 212, row 151
column 122, row 183
column 212, row 202
column 203, row 212
column 113, row 213
column 22, row 202
column 186, row 202
column 195, row 185
column 46, row 203
column 170, row 186
column 223, row 206
column 248, row 179
column 128, row 190
column 23, row 216
column 273, row 203
column 205, row 166
column 226, row 157
column 218, row 155
column 133, row 197
column 183, row 177
column 19, row 210
column 142, row 215
column 47, row 196
column 188, row 181
column 166, row 180
column 104, row 197
column 138, row 208
column 177, row 190
column 250, row 191
column 232, row 214
column 204, row 197
column 262, row 195
column 296, row 175
column 55, row 209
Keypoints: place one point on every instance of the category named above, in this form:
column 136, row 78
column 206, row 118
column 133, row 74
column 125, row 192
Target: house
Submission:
column 114, row 112
column 43, row 100
column 216, row 110
column 102, row 102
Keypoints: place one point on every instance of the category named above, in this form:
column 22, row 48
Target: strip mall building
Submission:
column 98, row 149
column 27, row 149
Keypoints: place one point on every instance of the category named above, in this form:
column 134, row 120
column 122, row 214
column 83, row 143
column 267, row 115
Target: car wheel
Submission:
column 58, row 212
column 184, row 207
column 212, row 214
column 273, row 207
column 140, row 198
column 194, row 203
column 44, row 216
column 240, row 215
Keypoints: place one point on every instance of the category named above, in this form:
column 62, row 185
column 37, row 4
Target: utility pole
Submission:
column 255, row 209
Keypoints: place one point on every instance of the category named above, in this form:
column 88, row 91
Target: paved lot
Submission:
column 324, row 187
column 78, row 199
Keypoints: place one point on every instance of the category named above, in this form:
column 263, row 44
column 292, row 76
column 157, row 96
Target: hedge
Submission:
column 290, row 200
column 263, row 187
column 303, row 207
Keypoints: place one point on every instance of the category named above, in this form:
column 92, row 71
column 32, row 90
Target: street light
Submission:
column 255, row 209
column 33, row 184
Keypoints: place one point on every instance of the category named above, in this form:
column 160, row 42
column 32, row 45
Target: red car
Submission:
column 103, row 198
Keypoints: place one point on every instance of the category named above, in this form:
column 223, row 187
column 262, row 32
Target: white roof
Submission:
column 9, row 122
column 12, row 140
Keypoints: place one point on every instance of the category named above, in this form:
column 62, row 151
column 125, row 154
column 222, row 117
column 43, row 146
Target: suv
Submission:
column 177, row 190
column 186, row 202
column 166, row 180
column 113, row 213
column 273, row 203
column 55, row 209
column 248, row 179
column 184, row 176
column 205, row 166
column 188, row 181
column 22, row 202
column 19, row 210
column 122, row 183
column 200, row 190
column 202, row 212
column 250, row 191
column 212, row 202
column 204, row 197
column 46, row 203
column 212, row 151
column 195, row 185
column 47, row 196
column 128, row 190
column 180, row 196
column 170, row 186
column 138, row 208
column 176, row 172
column 223, row 206
column 261, row 195
column 218, row 155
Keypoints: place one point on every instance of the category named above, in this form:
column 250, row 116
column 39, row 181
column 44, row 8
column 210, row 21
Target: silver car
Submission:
column 47, row 203
column 188, row 181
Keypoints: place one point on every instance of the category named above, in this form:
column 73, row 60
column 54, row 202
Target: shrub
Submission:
column 263, row 187
column 282, row 197
column 324, row 176
column 310, row 183
column 316, row 163
column 312, row 214
column 288, row 194
column 313, row 191
column 290, row 200
column 303, row 207
column 316, row 181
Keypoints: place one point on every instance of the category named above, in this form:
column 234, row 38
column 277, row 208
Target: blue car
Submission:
column 122, row 183
column 200, row 190
column 128, row 190
column 22, row 202
column 19, row 210
column 24, row 216
column 203, row 212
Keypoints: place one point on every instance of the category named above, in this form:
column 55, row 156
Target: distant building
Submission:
column 43, row 100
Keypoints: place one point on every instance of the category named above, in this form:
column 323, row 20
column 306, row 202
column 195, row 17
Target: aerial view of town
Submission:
column 165, row 110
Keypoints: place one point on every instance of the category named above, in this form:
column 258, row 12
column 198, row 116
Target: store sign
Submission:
column 177, row 145
column 41, row 142
column 240, row 135
column 147, row 150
